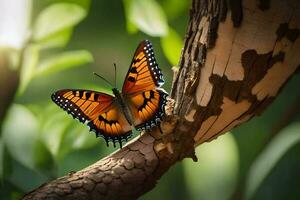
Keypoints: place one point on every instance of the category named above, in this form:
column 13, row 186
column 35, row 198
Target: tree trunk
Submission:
column 236, row 57
column 9, row 81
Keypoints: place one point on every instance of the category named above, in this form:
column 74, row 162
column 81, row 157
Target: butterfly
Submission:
column 139, row 105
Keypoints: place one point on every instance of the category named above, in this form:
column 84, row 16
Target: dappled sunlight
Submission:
column 15, row 19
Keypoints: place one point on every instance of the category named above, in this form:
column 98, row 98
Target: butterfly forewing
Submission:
column 144, row 73
column 99, row 110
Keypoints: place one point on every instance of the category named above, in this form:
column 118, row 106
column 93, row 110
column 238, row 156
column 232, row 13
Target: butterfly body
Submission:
column 123, row 107
column 140, row 103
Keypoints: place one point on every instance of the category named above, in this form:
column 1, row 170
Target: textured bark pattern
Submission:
column 248, row 66
column 122, row 174
column 230, row 70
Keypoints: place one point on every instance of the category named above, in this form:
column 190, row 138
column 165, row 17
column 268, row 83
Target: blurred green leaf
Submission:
column 266, row 161
column 20, row 134
column 78, row 137
column 43, row 159
column 53, row 130
column 130, row 26
column 83, row 3
column 6, row 162
column 61, row 134
column 84, row 140
column 63, row 61
column 56, row 18
column 30, row 60
column 24, row 178
column 59, row 39
column 16, row 195
column 215, row 176
column 148, row 16
column 97, row 87
column 175, row 8
column 172, row 45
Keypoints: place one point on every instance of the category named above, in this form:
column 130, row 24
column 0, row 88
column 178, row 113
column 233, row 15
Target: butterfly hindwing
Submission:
column 112, row 125
column 99, row 110
column 147, row 108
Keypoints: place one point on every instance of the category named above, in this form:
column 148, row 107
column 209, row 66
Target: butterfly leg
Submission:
column 160, row 129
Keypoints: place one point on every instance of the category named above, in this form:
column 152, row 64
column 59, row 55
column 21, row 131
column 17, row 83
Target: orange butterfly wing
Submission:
column 147, row 108
column 99, row 110
column 144, row 73
column 141, row 88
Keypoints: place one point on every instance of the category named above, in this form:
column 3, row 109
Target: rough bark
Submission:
column 235, row 60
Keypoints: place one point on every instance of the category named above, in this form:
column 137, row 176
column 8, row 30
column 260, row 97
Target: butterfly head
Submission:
column 116, row 92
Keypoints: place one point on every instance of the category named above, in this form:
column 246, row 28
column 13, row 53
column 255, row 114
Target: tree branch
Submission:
column 232, row 67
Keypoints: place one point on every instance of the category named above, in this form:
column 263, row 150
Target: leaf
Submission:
column 175, row 8
column 59, row 39
column 83, row 3
column 20, row 134
column 57, row 17
column 77, row 137
column 6, row 159
column 130, row 26
column 62, row 134
column 172, row 45
column 147, row 16
column 271, row 155
column 216, row 175
column 53, row 130
column 43, row 159
column 30, row 60
column 25, row 179
column 63, row 61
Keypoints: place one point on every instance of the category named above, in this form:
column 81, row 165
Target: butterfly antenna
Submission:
column 115, row 75
column 103, row 79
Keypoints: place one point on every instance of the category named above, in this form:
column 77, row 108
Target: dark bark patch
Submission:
column 212, row 32
column 298, row 70
column 231, row 89
column 256, row 65
column 201, row 54
column 264, row 4
column 277, row 58
column 284, row 31
column 223, row 10
column 236, row 12
column 293, row 34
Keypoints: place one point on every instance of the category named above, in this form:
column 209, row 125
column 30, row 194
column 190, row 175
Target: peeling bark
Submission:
column 235, row 60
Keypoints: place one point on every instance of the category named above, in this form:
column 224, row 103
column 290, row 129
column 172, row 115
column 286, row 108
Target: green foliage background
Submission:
column 71, row 39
